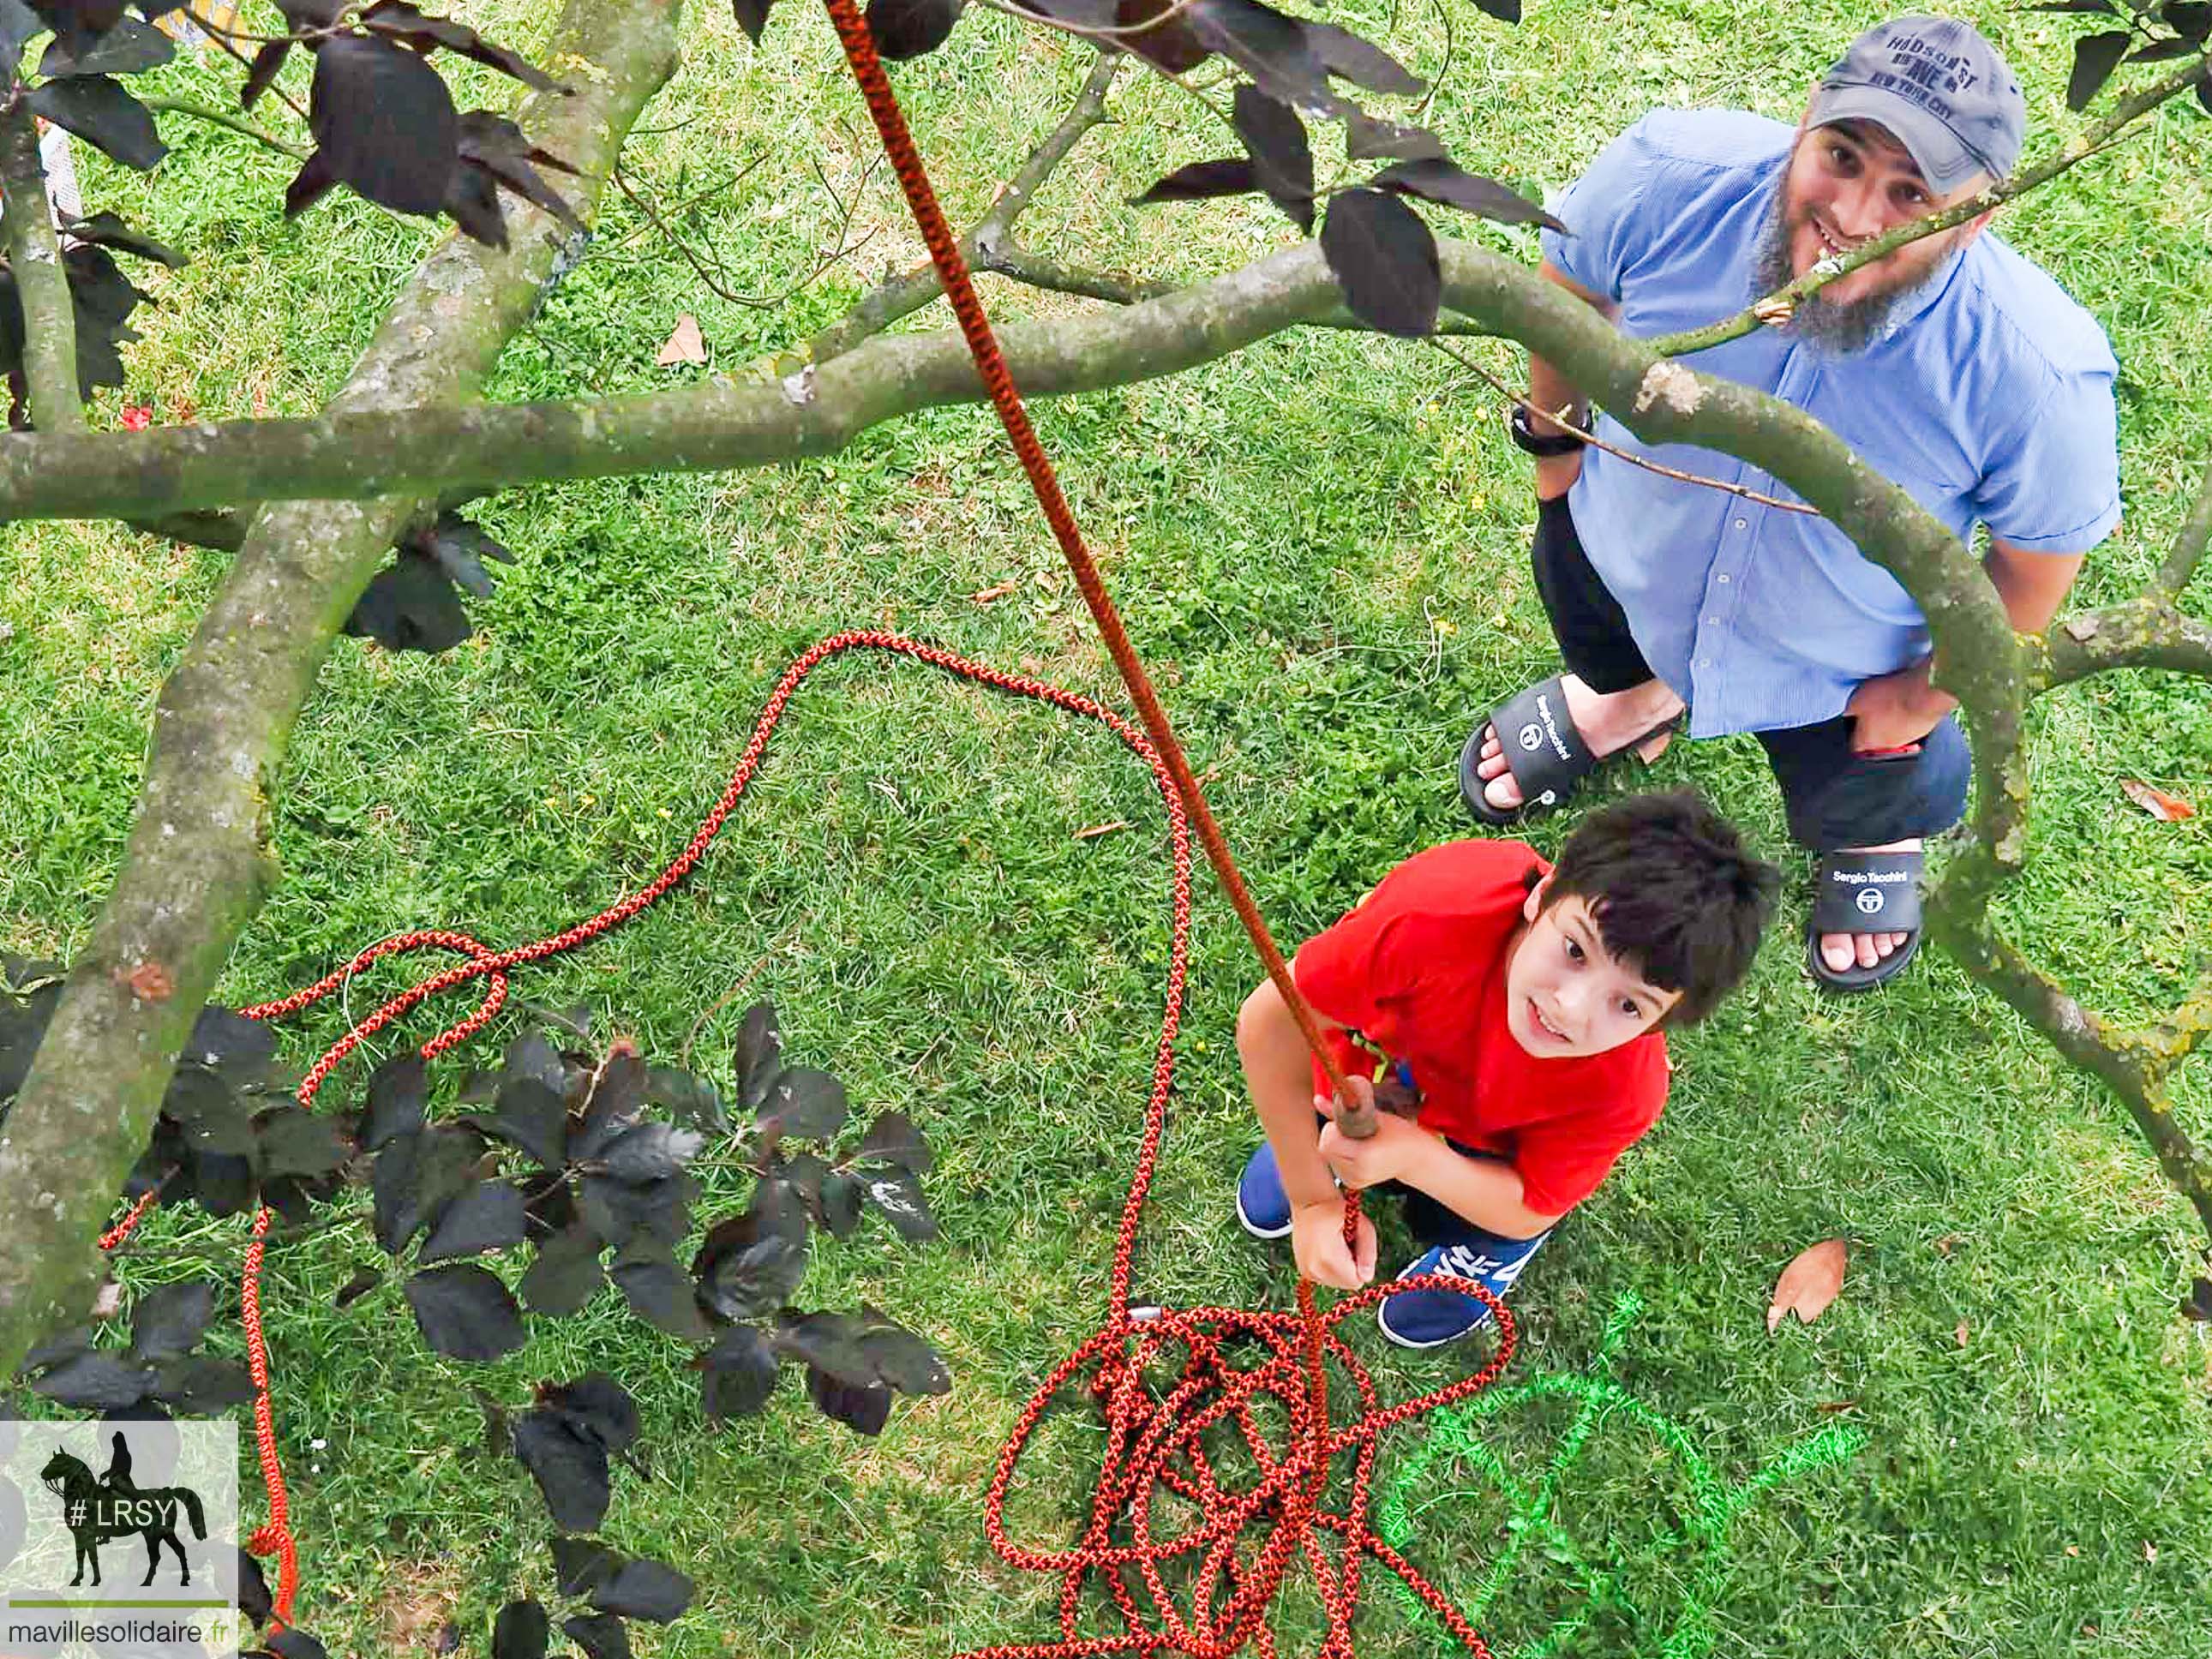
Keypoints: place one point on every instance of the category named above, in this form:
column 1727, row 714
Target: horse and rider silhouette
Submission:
column 96, row 1509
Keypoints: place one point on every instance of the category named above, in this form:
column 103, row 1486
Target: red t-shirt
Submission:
column 1418, row 969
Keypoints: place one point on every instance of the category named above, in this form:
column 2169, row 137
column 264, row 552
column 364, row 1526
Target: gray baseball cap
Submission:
column 1942, row 90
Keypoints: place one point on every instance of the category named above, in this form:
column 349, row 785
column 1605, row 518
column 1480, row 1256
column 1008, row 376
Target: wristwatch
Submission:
column 1558, row 443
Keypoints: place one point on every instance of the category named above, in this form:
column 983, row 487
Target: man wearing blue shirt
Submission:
column 1952, row 366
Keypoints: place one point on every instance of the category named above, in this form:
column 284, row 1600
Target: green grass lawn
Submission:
column 1320, row 549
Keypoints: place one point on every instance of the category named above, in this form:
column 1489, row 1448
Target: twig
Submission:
column 901, row 296
column 683, row 1058
column 225, row 1249
column 1033, row 270
column 224, row 118
column 1594, row 441
column 2189, row 544
column 222, row 37
column 1829, row 270
column 34, row 253
column 840, row 251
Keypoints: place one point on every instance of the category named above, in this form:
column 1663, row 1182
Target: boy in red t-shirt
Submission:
column 1519, row 1008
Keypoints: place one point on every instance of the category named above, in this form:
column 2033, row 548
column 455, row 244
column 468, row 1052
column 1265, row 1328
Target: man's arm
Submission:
column 1481, row 1190
column 1550, row 391
column 1893, row 711
column 1279, row 1073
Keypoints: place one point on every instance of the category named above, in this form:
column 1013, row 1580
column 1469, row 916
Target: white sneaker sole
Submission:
column 1254, row 1228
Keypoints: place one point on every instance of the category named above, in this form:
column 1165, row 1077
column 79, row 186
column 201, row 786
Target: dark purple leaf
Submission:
column 127, row 48
column 753, row 17
column 806, row 1105
column 494, row 144
column 487, row 1217
column 902, row 1358
column 650, row 1151
column 1505, row 11
column 213, row 1119
column 520, row 1631
column 1200, row 181
column 759, row 1056
column 897, row 1196
column 566, row 1274
column 687, row 1098
column 1270, row 47
column 570, row 1470
column 658, row 1290
column 1282, row 161
column 253, row 1598
column 99, row 112
column 1169, row 43
column 1366, row 139
column 222, row 1039
column 601, row 1636
column 894, row 1140
column 644, row 1588
column 829, row 1342
column 465, row 1312
column 1434, row 180
column 840, row 1203
column 197, row 1385
column 749, row 1265
column 104, row 230
column 171, row 1320
column 1385, row 261
column 2198, row 1303
column 96, row 1381
column 313, row 181
column 2095, row 57
column 404, row 21
column 617, row 1211
column 2190, row 19
column 294, row 1141
column 905, row 29
column 581, row 1565
column 617, row 1098
column 533, row 1117
column 1345, row 55
column 460, row 549
column 384, row 121
column 596, row 1407
column 863, row 1410
column 293, row 1642
column 409, row 605
column 740, row 1374
column 399, row 1092
column 364, row 1280
column 261, row 74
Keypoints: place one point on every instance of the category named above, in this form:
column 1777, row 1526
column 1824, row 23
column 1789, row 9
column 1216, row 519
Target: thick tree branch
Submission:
column 2139, row 633
column 2189, row 544
column 35, row 253
column 200, row 857
column 991, row 237
column 2126, row 112
column 2130, row 1069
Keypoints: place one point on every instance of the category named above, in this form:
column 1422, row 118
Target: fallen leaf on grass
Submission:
column 2150, row 1551
column 1098, row 830
column 984, row 596
column 2166, row 809
column 1961, row 1333
column 108, row 1301
column 2073, row 1549
column 684, row 345
column 1832, row 1406
column 1943, row 1244
column 1809, row 1284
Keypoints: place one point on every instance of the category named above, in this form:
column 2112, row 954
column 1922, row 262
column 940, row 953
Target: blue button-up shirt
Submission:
column 1988, row 397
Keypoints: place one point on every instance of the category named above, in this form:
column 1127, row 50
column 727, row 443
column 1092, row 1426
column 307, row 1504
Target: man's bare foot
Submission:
column 1607, row 723
column 1841, row 950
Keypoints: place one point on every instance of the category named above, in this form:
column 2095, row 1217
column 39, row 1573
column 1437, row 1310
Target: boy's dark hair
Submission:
column 1674, row 892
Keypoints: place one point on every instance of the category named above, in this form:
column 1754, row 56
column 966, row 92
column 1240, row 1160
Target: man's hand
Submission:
column 1397, row 1146
column 1896, row 711
column 1318, row 1242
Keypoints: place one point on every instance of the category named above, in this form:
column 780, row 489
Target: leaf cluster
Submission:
column 2151, row 32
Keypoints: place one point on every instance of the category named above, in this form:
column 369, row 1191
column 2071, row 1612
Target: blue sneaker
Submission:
column 1429, row 1319
column 1262, row 1205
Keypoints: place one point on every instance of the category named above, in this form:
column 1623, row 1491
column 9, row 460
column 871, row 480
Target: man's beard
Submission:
column 1816, row 319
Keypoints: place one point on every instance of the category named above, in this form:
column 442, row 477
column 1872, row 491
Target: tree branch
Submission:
column 2146, row 632
column 1827, row 271
column 2189, row 543
column 223, row 118
column 35, row 253
column 991, row 237
column 199, row 859
column 2128, row 1069
column 1033, row 271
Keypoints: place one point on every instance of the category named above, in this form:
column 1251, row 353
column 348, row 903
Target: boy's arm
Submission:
column 1279, row 1074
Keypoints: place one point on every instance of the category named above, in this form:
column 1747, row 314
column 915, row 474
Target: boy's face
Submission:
column 1565, row 994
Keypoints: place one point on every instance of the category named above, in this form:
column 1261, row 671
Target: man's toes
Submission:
column 1864, row 945
column 1500, row 790
column 1837, row 951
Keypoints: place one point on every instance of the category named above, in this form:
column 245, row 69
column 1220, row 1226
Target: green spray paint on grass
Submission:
column 1700, row 1542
